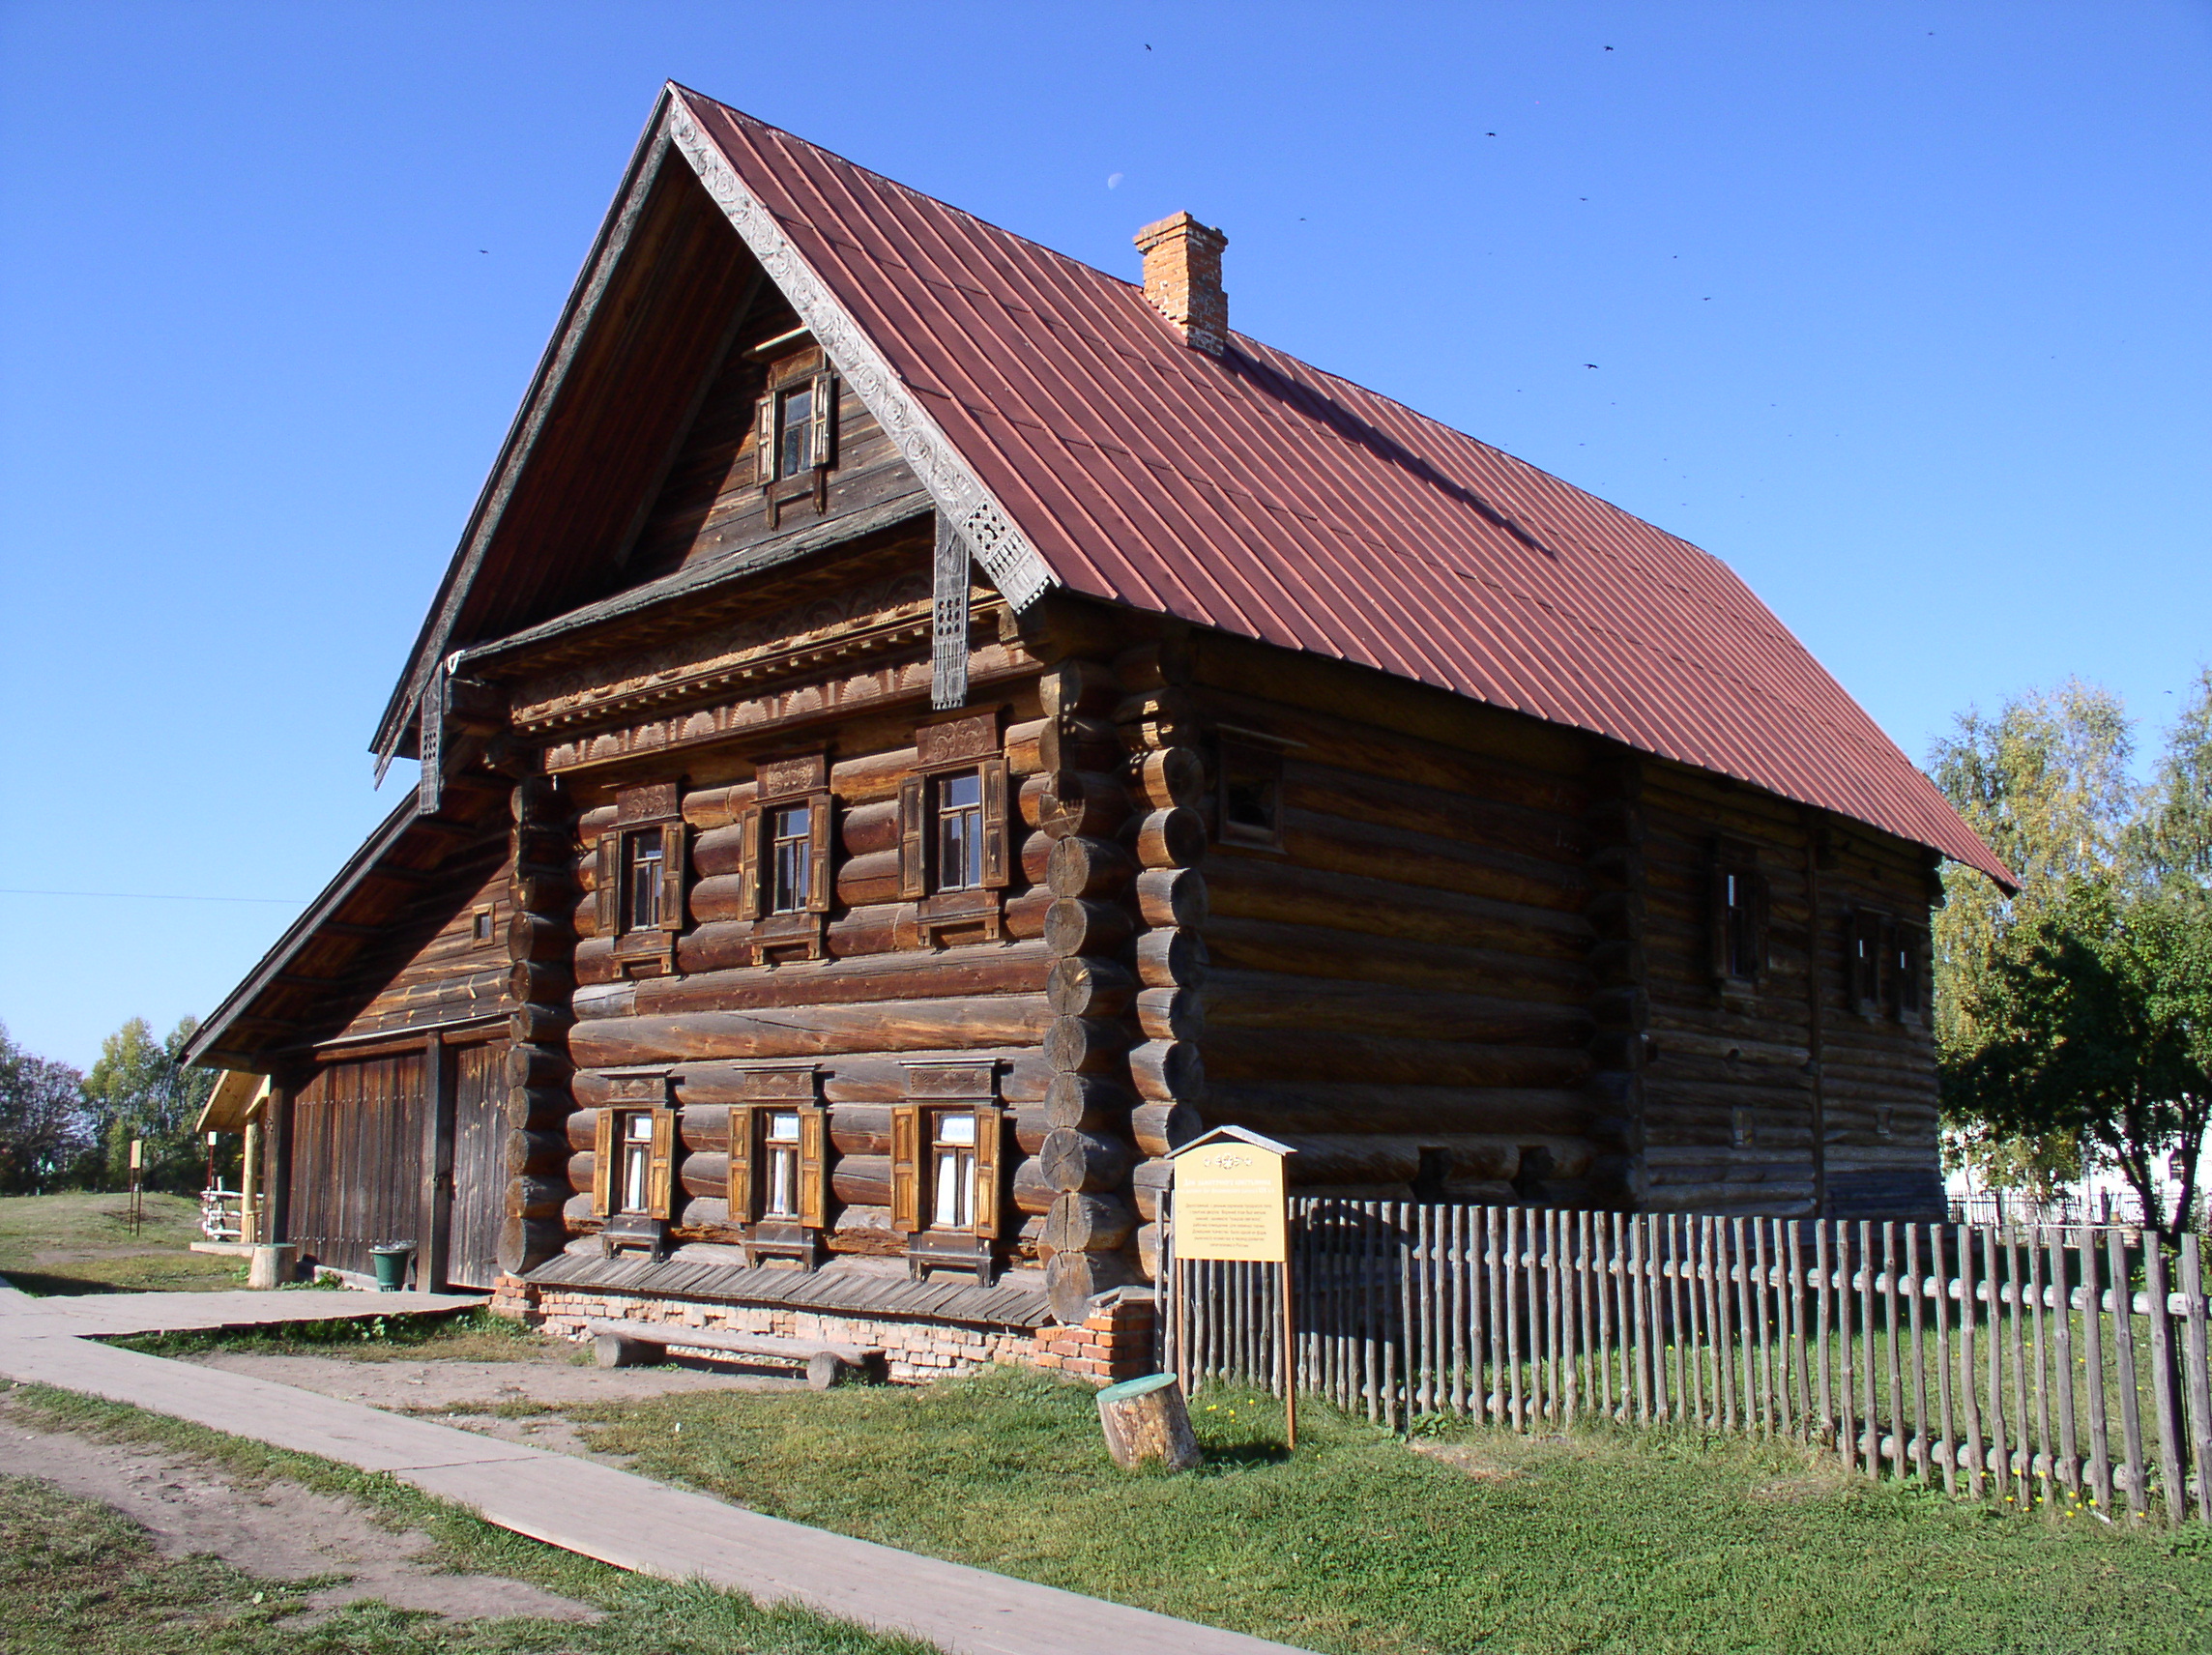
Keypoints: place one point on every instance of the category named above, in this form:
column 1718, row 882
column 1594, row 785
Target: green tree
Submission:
column 44, row 1128
column 141, row 1089
column 2074, row 1016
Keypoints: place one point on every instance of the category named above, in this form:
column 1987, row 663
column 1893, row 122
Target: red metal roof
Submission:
column 1259, row 495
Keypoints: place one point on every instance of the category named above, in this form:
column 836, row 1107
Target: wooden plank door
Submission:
column 355, row 1161
column 479, row 1165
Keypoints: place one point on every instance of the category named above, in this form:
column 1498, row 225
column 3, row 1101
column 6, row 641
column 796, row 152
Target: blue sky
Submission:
column 1899, row 308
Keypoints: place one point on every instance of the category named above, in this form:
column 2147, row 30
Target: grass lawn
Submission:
column 81, row 1243
column 75, row 1577
column 459, row 1336
column 1605, row 1540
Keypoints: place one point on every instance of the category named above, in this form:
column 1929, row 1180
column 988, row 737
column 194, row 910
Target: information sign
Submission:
column 1228, row 1201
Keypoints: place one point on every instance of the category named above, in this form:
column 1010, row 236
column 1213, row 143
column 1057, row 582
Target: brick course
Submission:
column 1115, row 1342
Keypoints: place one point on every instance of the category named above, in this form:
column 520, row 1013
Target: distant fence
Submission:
column 2058, row 1369
column 2011, row 1208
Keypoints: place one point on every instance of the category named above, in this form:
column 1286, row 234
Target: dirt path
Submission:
column 280, row 1531
column 549, row 1376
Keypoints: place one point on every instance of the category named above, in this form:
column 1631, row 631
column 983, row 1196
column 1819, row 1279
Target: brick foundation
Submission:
column 1115, row 1342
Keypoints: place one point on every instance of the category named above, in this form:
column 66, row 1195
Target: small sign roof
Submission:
column 1243, row 1136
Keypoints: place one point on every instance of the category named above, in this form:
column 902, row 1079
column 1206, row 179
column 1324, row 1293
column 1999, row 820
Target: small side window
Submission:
column 481, row 933
column 1249, row 804
column 1865, row 947
column 1736, row 918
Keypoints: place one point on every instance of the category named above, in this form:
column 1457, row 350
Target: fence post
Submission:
column 2165, row 1379
column 2193, row 1344
column 2124, row 1359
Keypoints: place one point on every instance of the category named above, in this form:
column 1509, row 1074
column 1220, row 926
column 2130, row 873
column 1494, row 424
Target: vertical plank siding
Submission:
column 355, row 1161
column 2030, row 1369
column 479, row 1164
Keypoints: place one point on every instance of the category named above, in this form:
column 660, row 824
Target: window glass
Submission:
column 960, row 832
column 789, row 858
column 952, row 1172
column 642, row 858
column 795, row 430
column 1251, row 795
column 636, row 1163
column 781, row 1192
column 1739, row 926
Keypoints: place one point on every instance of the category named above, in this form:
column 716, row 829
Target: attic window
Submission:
column 1251, row 798
column 481, row 933
column 795, row 426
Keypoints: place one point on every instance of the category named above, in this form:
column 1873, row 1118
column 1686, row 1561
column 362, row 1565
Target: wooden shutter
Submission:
column 914, row 837
column 606, row 894
column 674, row 843
column 814, row 1167
column 824, row 411
column 906, row 1168
column 604, row 1164
column 1756, row 894
column 1717, row 927
column 990, row 1132
column 820, row 818
column 660, row 1174
column 742, row 1185
column 996, row 861
column 763, row 429
column 749, row 863
column 1865, row 947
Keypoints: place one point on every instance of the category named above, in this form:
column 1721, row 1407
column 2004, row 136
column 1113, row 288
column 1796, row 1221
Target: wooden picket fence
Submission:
column 2039, row 1366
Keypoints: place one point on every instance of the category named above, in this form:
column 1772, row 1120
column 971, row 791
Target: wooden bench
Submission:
column 644, row 1344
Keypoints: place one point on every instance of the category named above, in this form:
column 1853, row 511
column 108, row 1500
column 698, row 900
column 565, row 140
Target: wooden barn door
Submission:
column 479, row 1165
column 357, row 1160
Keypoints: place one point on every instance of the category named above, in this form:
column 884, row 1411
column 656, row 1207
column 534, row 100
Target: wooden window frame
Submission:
column 635, row 1093
column 772, row 1091
column 654, row 807
column 812, row 370
column 1736, row 862
column 782, row 783
column 942, row 750
column 483, row 926
column 934, row 1090
column 1235, row 751
column 1905, row 970
column 1866, row 944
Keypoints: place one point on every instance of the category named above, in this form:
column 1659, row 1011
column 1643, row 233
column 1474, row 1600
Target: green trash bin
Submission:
column 391, row 1260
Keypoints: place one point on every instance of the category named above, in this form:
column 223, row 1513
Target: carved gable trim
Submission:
column 1013, row 564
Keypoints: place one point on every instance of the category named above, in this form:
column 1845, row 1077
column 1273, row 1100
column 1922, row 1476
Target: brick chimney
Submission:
column 1182, row 279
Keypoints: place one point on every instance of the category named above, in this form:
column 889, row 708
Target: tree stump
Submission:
column 1145, row 1419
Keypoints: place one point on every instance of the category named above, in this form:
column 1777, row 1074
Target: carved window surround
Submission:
column 933, row 1091
column 635, row 1096
column 654, row 809
column 771, row 1094
column 951, row 747
column 782, row 783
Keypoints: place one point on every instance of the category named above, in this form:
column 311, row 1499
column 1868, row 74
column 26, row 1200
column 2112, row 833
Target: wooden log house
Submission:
column 915, row 727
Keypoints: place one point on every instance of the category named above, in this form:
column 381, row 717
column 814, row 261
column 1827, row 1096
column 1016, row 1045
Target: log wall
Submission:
column 455, row 974
column 1403, row 988
column 882, row 999
column 1759, row 1102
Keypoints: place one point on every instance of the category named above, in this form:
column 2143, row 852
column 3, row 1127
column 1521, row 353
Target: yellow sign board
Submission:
column 1228, row 1199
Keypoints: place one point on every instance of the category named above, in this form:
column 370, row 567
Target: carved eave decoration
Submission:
column 891, row 619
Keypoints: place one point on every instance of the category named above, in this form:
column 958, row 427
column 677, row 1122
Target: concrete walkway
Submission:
column 613, row 1516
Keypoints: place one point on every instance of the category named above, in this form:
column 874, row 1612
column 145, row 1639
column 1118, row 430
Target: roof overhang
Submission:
column 674, row 137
